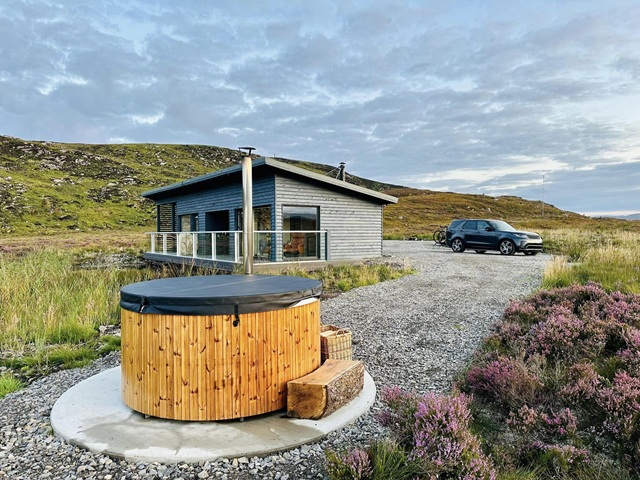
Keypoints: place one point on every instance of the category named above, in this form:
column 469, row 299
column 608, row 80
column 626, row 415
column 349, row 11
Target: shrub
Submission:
column 436, row 432
column 563, row 368
column 582, row 384
column 506, row 381
column 557, row 335
column 630, row 356
column 555, row 424
column 383, row 460
column 399, row 416
column 555, row 460
column 354, row 464
column 621, row 403
column 443, row 439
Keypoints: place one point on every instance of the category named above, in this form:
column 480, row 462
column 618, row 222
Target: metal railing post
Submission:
column 326, row 246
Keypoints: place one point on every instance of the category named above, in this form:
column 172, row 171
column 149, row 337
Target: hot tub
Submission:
column 217, row 347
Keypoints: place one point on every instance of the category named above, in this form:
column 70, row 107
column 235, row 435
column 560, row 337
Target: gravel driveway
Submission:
column 416, row 332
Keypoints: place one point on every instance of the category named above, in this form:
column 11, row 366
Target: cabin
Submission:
column 299, row 216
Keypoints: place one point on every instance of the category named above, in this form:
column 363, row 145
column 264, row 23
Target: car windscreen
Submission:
column 502, row 226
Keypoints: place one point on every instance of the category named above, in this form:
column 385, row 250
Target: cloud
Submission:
column 480, row 97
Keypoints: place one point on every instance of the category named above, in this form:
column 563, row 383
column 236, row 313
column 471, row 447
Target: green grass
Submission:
column 108, row 343
column 337, row 279
column 610, row 258
column 51, row 311
column 47, row 359
column 8, row 384
column 44, row 300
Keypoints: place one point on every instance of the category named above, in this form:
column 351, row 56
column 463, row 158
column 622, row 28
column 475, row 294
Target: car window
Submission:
column 482, row 225
column 471, row 225
column 502, row 226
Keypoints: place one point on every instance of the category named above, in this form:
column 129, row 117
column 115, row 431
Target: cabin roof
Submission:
column 203, row 181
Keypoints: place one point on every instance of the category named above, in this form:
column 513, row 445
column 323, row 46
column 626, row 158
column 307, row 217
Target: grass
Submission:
column 51, row 310
column 45, row 300
column 8, row 384
column 419, row 213
column 337, row 279
column 610, row 258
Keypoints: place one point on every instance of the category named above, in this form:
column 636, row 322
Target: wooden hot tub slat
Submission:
column 203, row 368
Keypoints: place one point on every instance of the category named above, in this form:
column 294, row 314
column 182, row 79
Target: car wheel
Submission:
column 507, row 247
column 457, row 245
column 480, row 251
column 531, row 253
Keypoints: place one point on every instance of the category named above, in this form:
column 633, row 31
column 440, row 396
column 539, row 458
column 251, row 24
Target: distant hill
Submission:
column 633, row 216
column 420, row 212
column 48, row 188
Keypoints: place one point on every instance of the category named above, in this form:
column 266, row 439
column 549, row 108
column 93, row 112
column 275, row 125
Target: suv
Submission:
column 483, row 235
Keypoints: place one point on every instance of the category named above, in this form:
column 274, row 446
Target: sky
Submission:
column 538, row 99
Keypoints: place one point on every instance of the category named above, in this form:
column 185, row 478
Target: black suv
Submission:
column 483, row 235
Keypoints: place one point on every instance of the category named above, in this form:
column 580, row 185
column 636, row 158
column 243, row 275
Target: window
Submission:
column 471, row 225
column 482, row 225
column 300, row 218
column 261, row 218
column 261, row 223
column 300, row 224
column 189, row 223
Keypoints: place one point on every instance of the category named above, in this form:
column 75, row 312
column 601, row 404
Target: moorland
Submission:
column 65, row 203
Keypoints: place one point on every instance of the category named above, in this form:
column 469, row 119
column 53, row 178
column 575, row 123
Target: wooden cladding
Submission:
column 205, row 368
column 167, row 217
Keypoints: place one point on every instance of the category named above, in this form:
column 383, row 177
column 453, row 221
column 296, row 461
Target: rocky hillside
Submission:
column 48, row 188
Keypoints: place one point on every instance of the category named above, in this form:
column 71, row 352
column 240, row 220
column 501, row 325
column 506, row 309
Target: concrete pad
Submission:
column 92, row 415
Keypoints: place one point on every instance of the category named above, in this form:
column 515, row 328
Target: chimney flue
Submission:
column 342, row 174
column 247, row 211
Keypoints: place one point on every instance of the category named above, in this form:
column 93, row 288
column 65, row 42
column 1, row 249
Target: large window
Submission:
column 189, row 223
column 261, row 223
column 299, row 243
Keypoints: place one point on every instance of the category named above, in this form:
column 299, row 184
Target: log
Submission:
column 325, row 390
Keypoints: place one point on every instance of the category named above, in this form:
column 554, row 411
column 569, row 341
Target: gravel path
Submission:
column 416, row 332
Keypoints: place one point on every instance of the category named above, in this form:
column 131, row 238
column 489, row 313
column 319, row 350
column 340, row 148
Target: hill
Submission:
column 420, row 212
column 48, row 188
column 633, row 216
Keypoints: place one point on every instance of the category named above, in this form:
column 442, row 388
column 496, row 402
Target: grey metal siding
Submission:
column 354, row 224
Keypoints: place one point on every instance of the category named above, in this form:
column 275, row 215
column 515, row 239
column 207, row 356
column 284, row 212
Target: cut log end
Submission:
column 325, row 390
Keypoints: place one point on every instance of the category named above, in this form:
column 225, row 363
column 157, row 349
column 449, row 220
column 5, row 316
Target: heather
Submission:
column 553, row 393
column 558, row 380
column 431, row 438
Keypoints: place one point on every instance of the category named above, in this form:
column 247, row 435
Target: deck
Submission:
column 223, row 249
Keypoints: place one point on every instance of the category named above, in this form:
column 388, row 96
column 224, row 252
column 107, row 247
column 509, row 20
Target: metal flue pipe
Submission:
column 247, row 212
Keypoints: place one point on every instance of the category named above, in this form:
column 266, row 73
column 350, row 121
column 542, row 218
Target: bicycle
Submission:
column 440, row 236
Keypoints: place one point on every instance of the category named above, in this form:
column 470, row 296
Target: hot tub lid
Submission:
column 217, row 294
